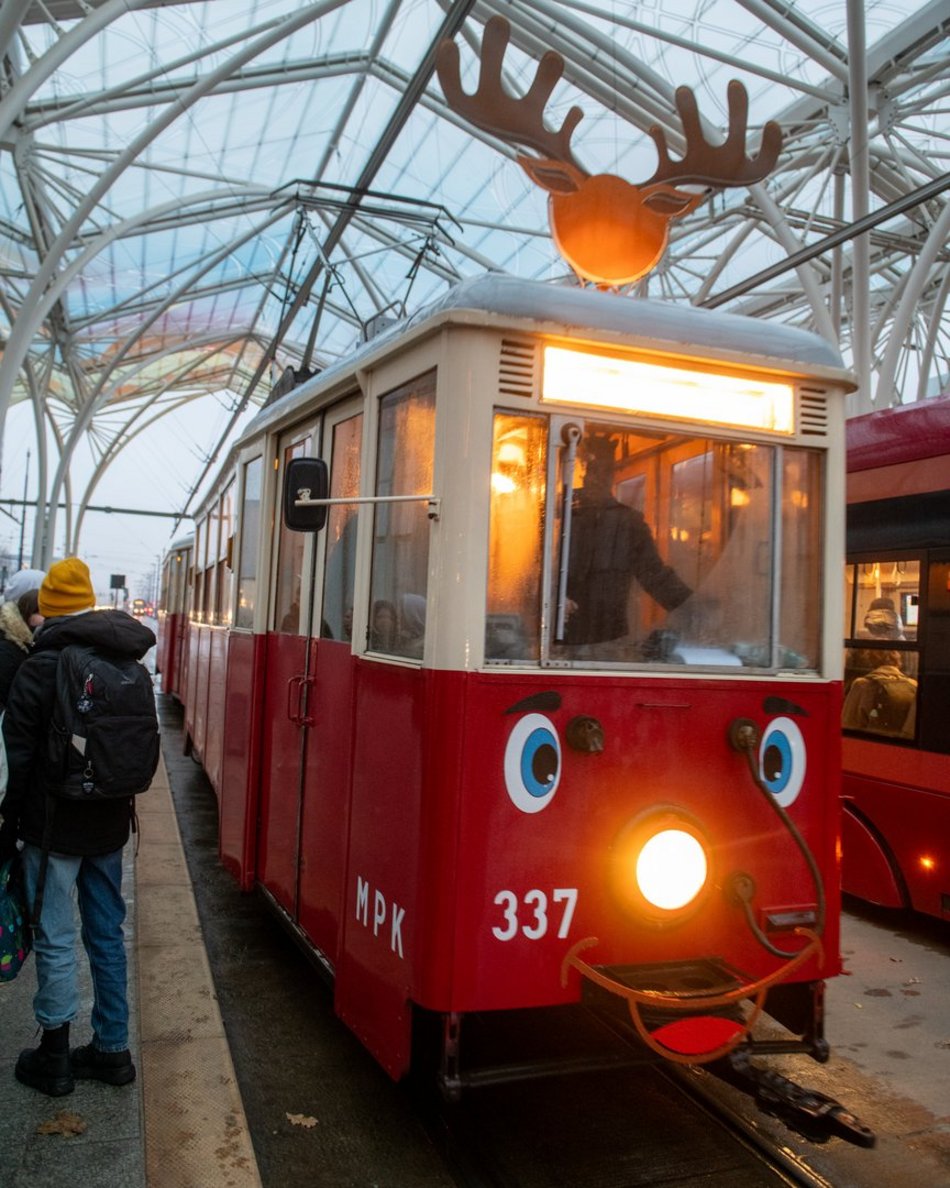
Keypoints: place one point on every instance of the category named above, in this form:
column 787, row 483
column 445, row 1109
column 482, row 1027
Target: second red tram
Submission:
column 896, row 826
column 173, row 610
column 509, row 660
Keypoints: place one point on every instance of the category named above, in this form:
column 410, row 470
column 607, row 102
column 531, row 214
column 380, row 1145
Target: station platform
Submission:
column 181, row 1123
column 184, row 1124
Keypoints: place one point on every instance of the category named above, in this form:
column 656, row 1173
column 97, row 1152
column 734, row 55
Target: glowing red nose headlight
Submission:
column 661, row 866
column 671, row 869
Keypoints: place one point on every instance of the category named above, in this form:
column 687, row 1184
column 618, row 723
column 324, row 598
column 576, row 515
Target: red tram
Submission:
column 173, row 611
column 896, row 825
column 508, row 658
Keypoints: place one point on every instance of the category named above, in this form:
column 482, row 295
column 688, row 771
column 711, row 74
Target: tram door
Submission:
column 283, row 737
column 306, row 740
column 326, row 756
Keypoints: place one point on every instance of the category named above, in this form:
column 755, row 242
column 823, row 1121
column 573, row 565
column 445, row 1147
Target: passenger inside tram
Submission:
column 412, row 624
column 882, row 621
column 884, row 701
column 610, row 545
column 382, row 632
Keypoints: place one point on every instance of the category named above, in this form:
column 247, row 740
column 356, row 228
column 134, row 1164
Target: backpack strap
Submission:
column 37, row 909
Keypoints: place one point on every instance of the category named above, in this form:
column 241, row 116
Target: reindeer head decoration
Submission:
column 609, row 231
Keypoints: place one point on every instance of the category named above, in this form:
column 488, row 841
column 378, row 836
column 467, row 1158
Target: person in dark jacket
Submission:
column 611, row 544
column 85, row 848
column 16, row 639
column 16, row 634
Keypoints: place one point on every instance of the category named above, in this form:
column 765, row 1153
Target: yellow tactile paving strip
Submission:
column 195, row 1130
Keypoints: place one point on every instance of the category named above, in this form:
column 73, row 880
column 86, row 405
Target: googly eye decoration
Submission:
column 532, row 763
column 782, row 760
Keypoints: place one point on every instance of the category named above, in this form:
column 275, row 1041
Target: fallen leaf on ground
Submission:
column 64, row 1123
column 301, row 1120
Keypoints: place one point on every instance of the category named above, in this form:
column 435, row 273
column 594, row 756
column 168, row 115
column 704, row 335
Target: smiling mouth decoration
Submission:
column 699, row 1037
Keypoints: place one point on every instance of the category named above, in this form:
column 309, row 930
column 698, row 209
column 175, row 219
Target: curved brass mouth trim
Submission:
column 693, row 1002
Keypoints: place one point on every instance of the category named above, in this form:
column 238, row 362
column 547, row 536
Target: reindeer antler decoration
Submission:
column 610, row 231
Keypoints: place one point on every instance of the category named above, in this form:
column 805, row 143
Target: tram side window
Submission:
column 340, row 576
column 881, row 654
column 201, row 536
column 400, row 560
column 224, row 579
column 176, row 601
column 212, row 532
column 164, row 596
column 800, row 624
column 515, row 543
column 290, row 550
column 250, row 532
column 934, row 735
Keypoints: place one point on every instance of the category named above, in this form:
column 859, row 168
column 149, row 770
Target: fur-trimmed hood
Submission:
column 13, row 628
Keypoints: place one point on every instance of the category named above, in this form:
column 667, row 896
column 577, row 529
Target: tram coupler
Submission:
column 816, row 1116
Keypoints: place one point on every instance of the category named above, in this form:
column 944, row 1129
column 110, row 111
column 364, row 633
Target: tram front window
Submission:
column 662, row 548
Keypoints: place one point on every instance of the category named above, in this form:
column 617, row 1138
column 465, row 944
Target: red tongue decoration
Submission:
column 696, row 1035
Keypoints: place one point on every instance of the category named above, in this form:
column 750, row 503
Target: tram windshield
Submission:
column 617, row 546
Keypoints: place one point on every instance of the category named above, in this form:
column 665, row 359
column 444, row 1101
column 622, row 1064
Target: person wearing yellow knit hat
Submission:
column 66, row 589
column 71, row 848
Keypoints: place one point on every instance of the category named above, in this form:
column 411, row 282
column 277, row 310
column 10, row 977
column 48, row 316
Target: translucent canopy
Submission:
column 197, row 197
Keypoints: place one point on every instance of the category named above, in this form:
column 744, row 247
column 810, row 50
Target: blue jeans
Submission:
column 98, row 883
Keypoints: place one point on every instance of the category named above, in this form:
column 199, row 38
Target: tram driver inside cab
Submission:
column 611, row 544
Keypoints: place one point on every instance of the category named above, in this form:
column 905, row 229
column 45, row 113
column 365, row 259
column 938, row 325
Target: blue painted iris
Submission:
column 782, row 760
column 532, row 763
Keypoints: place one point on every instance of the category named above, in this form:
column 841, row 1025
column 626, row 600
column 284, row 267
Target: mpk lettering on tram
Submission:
column 383, row 911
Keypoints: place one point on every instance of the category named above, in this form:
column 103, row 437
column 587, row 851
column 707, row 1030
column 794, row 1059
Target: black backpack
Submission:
column 103, row 739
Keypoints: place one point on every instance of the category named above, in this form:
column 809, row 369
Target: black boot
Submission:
column 115, row 1068
column 47, row 1067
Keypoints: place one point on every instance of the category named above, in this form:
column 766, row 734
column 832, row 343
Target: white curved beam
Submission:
column 12, row 13
column 927, row 355
column 28, row 325
column 859, row 401
column 14, row 101
column 809, row 43
column 126, row 434
column 82, row 421
column 885, row 393
column 24, row 328
column 805, row 273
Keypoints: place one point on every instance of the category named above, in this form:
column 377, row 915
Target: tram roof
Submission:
column 584, row 313
column 908, row 433
column 578, row 311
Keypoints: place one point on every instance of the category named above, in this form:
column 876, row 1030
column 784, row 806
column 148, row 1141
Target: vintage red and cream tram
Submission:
column 896, row 824
column 173, row 608
column 509, row 662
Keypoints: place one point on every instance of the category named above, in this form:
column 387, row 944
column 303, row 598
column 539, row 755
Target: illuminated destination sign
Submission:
column 633, row 386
